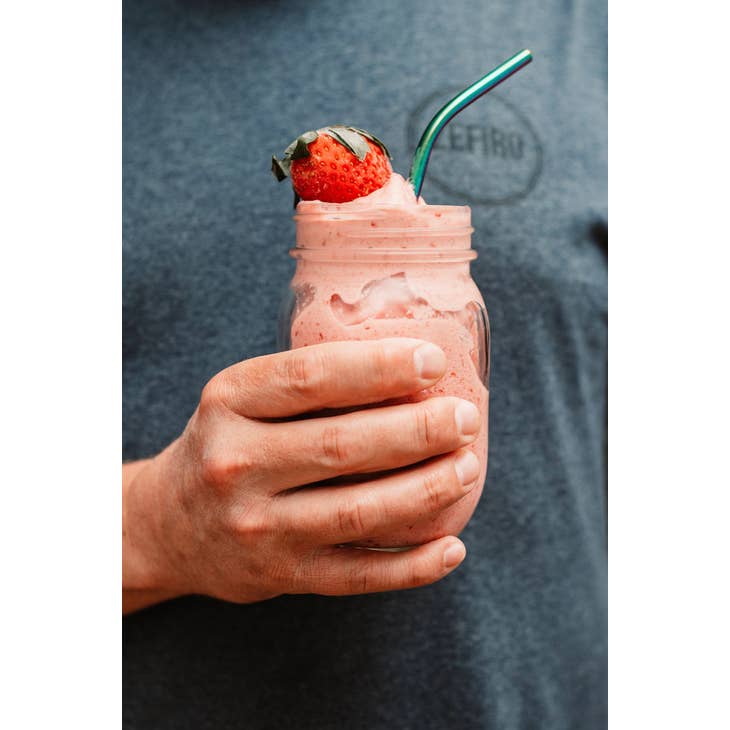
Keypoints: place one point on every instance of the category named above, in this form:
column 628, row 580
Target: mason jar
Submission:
column 393, row 271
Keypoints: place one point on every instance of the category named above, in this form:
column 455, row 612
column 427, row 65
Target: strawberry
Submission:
column 334, row 164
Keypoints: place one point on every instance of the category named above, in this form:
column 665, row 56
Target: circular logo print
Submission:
column 489, row 154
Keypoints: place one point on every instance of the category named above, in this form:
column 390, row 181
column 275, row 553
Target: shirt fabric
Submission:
column 516, row 636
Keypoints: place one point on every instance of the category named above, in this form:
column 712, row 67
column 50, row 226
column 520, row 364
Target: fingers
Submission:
column 334, row 515
column 378, row 439
column 333, row 374
column 348, row 571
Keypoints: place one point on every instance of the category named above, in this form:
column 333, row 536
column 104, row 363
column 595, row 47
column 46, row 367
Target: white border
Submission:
column 669, row 269
column 60, row 369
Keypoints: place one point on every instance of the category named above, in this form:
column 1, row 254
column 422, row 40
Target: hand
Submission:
column 229, row 509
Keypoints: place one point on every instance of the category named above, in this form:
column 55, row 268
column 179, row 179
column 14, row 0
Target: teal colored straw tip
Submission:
column 462, row 100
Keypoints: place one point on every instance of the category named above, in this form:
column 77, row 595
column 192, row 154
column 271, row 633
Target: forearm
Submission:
column 138, row 584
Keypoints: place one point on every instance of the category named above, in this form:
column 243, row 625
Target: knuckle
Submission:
column 251, row 526
column 216, row 469
column 355, row 518
column 350, row 519
column 433, row 493
column 304, row 373
column 334, row 450
column 426, row 427
column 222, row 468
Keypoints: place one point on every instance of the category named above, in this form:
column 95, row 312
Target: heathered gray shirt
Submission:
column 516, row 637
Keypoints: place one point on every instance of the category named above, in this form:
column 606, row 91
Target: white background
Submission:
column 60, row 365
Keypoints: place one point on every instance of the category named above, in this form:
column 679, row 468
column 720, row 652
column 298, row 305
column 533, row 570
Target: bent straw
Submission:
column 452, row 108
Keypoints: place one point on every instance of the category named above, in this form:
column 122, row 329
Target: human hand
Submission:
column 235, row 508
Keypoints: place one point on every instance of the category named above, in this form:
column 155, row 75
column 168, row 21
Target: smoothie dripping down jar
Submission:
column 387, row 265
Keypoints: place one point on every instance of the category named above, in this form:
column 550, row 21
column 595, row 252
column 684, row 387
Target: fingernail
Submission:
column 467, row 418
column 430, row 361
column 454, row 554
column 466, row 466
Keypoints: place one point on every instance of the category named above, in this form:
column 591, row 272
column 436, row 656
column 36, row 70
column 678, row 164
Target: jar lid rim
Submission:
column 451, row 255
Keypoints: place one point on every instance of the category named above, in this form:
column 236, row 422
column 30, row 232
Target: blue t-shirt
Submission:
column 515, row 637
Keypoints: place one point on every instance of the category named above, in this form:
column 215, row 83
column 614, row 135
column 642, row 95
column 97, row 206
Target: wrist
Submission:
column 145, row 565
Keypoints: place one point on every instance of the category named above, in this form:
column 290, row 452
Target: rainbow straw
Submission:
column 452, row 108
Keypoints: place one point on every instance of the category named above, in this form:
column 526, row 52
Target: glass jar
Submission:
column 367, row 274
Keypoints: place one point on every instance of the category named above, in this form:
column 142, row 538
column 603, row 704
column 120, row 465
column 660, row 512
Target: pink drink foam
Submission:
column 389, row 265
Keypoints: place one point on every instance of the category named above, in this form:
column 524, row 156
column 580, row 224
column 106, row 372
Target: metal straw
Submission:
column 459, row 102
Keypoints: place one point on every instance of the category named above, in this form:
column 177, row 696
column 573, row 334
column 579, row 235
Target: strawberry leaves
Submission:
column 354, row 140
column 280, row 168
column 374, row 140
column 350, row 140
column 300, row 146
column 296, row 150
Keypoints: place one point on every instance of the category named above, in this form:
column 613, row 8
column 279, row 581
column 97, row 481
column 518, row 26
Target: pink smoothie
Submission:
column 389, row 265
